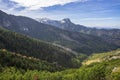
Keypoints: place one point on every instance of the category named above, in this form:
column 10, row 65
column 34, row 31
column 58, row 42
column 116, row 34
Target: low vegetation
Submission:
column 99, row 57
column 104, row 70
column 99, row 71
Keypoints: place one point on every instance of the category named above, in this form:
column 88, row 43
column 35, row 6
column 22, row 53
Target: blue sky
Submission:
column 92, row 13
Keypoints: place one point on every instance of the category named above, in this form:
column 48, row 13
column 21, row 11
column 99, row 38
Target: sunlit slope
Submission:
column 99, row 57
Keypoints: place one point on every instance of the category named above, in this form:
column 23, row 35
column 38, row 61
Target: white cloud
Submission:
column 37, row 4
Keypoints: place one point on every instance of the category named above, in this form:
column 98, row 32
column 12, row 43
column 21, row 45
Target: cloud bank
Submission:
column 37, row 4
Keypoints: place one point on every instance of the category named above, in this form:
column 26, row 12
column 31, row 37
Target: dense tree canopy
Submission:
column 34, row 48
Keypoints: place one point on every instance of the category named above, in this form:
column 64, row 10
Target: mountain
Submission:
column 72, row 41
column 30, row 47
column 12, row 59
column 65, row 24
column 110, row 35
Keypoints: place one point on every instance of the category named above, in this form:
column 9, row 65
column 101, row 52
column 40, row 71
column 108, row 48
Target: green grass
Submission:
column 98, row 57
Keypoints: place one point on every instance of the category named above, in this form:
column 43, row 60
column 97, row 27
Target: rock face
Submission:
column 64, row 24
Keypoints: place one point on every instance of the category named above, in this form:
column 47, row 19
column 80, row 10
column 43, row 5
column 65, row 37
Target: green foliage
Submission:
column 105, row 70
column 9, row 59
column 115, row 76
column 99, row 57
column 99, row 71
column 34, row 48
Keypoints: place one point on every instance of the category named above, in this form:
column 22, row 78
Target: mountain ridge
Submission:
column 109, row 35
column 76, row 41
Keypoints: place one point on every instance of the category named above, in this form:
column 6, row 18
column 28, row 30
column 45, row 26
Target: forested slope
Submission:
column 12, row 59
column 34, row 48
column 105, row 70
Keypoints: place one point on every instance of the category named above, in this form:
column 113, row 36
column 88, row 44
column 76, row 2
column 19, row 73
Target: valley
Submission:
column 46, row 49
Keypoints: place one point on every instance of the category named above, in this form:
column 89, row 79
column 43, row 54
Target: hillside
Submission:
column 22, row 64
column 100, row 57
column 78, row 42
column 27, row 46
column 12, row 59
column 105, row 70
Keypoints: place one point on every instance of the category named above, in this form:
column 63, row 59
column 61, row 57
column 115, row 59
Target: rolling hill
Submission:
column 100, row 57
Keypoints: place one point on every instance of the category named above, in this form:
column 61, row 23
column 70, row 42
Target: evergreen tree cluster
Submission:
column 30, row 47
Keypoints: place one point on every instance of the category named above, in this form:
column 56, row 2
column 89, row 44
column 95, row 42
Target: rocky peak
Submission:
column 66, row 20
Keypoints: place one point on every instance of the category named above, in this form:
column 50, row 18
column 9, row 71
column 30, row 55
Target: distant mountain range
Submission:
column 87, row 40
column 63, row 24
column 110, row 35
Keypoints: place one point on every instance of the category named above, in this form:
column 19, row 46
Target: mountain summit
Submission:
column 65, row 23
column 66, row 20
